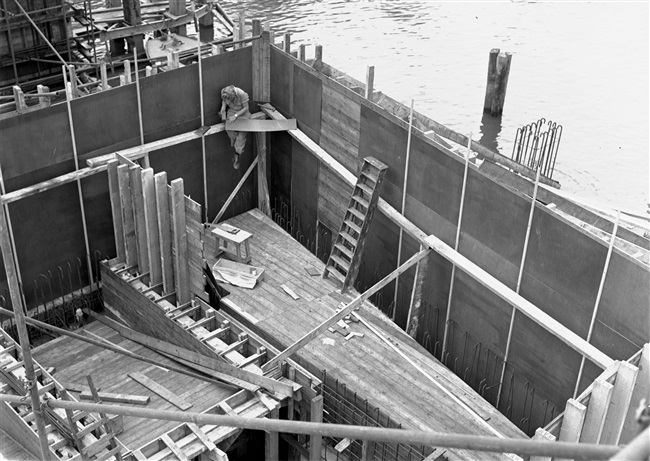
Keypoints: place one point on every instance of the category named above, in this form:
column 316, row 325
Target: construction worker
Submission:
column 234, row 105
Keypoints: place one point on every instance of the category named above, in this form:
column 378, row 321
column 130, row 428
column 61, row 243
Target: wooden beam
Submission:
column 370, row 83
column 271, row 440
column 235, row 191
column 227, row 372
column 308, row 337
column 620, row 403
column 140, row 222
column 160, row 390
column 414, row 314
column 116, row 210
column 574, row 418
column 164, row 231
column 117, row 398
column 179, row 235
column 599, row 400
column 128, row 219
column 316, row 416
column 151, row 226
column 542, row 435
column 262, row 92
column 406, row 436
column 175, row 449
column 641, row 390
column 497, row 287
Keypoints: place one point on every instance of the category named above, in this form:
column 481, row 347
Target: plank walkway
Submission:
column 74, row 359
column 367, row 365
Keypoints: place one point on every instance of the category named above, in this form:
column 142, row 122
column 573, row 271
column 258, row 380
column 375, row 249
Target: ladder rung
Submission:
column 357, row 213
column 352, row 226
column 366, row 188
column 335, row 273
column 343, row 264
column 91, row 427
column 344, row 235
column 347, row 252
column 216, row 333
column 365, row 203
column 108, row 454
column 370, row 176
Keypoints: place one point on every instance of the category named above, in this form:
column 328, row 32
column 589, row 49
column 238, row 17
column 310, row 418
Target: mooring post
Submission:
column 370, row 82
column 497, row 82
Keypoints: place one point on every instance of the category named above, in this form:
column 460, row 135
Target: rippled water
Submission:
column 582, row 65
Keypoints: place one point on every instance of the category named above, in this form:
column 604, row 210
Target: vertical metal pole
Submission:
column 10, row 228
column 18, row 306
column 453, row 268
column 137, row 88
column 76, row 167
column 598, row 296
column 205, row 162
column 401, row 231
column 519, row 277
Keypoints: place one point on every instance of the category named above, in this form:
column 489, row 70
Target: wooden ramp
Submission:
column 363, row 374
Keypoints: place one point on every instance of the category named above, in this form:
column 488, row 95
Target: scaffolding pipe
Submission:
column 519, row 277
column 406, row 436
column 39, row 31
column 137, row 89
column 457, row 241
column 403, row 210
column 612, row 240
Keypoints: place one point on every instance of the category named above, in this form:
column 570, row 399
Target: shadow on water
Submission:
column 490, row 130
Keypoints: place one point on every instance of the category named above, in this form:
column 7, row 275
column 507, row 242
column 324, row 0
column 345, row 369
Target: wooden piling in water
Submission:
column 497, row 82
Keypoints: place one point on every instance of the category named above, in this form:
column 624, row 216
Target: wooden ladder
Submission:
column 345, row 256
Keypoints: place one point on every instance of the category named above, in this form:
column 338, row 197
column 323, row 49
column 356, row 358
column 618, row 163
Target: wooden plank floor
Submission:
column 367, row 365
column 12, row 450
column 74, row 359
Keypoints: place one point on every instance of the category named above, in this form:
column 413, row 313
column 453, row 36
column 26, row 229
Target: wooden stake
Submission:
column 370, row 84
column 318, row 56
column 18, row 306
column 403, row 210
column 302, row 55
column 456, row 243
column 127, row 69
column 519, row 277
column 316, row 416
column 594, row 315
column 104, row 75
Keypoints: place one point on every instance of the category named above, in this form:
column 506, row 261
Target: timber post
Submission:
column 262, row 92
column 287, row 42
column 316, row 441
column 44, row 101
column 497, row 82
column 318, row 56
column 272, row 440
column 19, row 98
column 370, row 82
column 18, row 307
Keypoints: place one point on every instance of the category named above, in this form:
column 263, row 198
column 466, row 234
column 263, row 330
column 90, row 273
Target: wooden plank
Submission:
column 271, row 445
column 128, row 219
column 261, row 126
column 620, row 403
column 140, row 223
column 308, row 337
column 179, row 234
column 599, row 400
column 164, row 231
column 174, row 448
column 316, row 416
column 641, row 390
column 118, row 398
column 160, row 390
column 151, row 224
column 116, row 210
